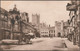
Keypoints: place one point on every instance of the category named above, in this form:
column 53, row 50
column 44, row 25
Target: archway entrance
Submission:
column 59, row 34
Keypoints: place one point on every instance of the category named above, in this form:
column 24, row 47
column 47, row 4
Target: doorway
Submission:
column 59, row 34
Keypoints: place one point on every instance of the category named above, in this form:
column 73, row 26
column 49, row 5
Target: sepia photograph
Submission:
column 40, row 25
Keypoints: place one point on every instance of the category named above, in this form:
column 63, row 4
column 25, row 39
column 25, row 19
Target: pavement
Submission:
column 70, row 45
column 43, row 44
column 54, row 44
column 35, row 40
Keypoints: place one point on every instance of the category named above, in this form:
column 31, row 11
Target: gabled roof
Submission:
column 3, row 11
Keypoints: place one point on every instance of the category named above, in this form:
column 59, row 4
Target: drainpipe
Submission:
column 79, row 23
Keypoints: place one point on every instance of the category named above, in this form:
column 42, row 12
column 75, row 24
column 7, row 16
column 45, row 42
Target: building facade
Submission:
column 36, row 21
column 66, row 30
column 13, row 24
column 24, row 17
column 57, row 29
column 61, row 29
column 44, row 31
column 51, row 31
column 4, row 24
column 74, row 21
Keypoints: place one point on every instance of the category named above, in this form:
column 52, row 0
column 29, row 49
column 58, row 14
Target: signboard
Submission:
column 71, row 7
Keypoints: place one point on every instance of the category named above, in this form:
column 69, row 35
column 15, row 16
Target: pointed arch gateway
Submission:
column 59, row 34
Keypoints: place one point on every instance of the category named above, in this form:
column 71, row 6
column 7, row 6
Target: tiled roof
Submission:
column 3, row 11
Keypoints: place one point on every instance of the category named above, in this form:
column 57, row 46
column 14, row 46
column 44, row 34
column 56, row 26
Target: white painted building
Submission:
column 44, row 31
column 51, row 31
column 59, row 29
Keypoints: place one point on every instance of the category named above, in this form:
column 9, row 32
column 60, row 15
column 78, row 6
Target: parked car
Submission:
column 28, row 38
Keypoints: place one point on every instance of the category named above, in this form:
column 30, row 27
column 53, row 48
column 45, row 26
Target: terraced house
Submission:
column 74, row 21
column 4, row 24
column 13, row 24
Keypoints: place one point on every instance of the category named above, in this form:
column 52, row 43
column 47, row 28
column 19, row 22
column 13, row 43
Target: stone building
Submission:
column 59, row 29
column 44, row 31
column 36, row 21
column 51, row 31
column 4, row 24
column 13, row 25
column 66, row 30
column 24, row 17
column 74, row 21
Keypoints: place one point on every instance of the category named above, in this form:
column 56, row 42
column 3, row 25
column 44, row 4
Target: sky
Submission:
column 50, row 11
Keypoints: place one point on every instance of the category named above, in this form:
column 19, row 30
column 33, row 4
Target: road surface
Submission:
column 43, row 44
